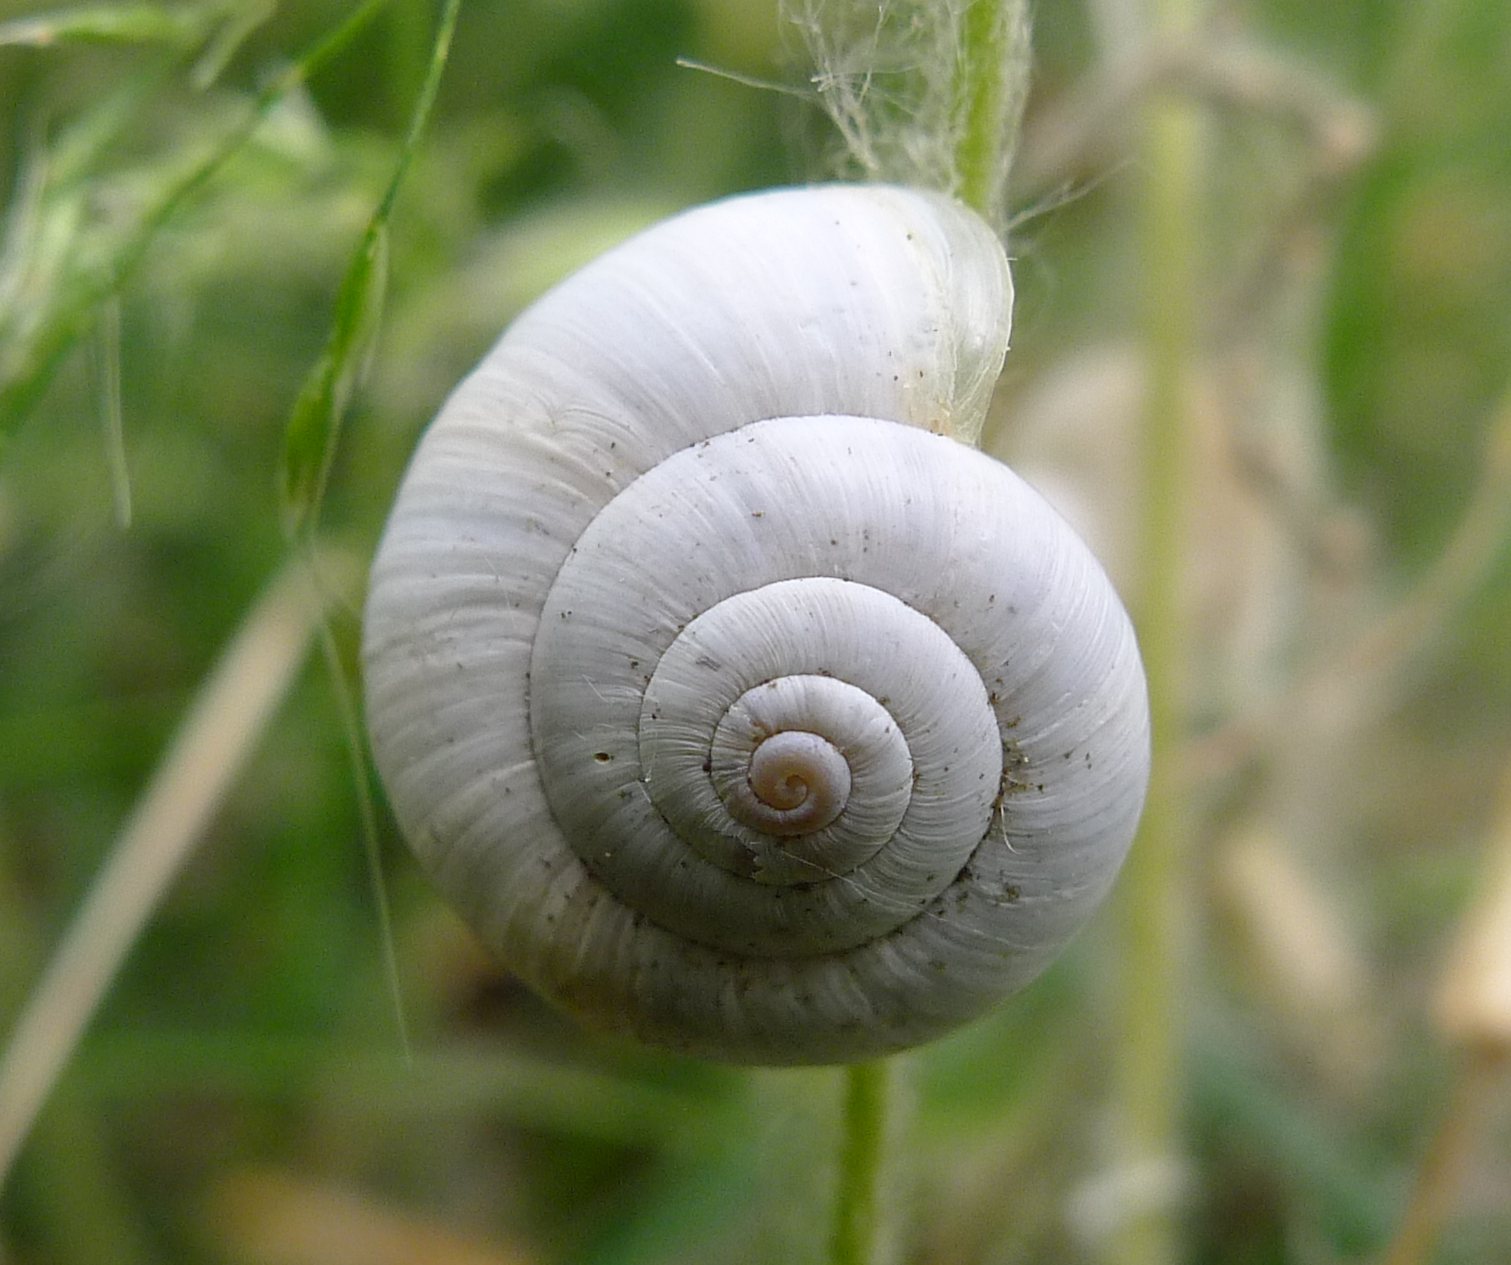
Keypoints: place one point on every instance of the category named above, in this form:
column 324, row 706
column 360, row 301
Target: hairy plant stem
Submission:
column 981, row 150
column 856, row 1237
column 1148, row 1053
column 989, row 91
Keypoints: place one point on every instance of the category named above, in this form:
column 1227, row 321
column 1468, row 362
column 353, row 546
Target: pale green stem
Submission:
column 990, row 91
column 862, row 1161
column 1148, row 1053
column 988, row 95
column 978, row 154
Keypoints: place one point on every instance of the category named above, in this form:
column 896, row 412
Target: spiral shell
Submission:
column 735, row 708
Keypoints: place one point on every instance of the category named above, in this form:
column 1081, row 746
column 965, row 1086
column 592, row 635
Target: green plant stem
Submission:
column 1148, row 1052
column 978, row 151
column 862, row 1161
column 990, row 90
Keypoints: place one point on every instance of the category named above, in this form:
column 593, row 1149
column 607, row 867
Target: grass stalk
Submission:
column 991, row 84
column 213, row 744
column 993, row 80
column 314, row 427
column 1148, row 1052
column 856, row 1239
column 314, row 430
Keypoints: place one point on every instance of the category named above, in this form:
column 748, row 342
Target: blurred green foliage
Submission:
column 251, row 1029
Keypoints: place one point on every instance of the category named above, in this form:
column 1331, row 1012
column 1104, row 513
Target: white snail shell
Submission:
column 734, row 708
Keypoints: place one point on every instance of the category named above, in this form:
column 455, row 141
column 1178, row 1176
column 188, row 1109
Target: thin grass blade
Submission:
column 314, row 430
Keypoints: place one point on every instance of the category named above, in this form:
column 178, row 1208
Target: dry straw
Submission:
column 212, row 746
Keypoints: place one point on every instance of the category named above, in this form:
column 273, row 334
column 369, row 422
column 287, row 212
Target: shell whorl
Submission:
column 737, row 710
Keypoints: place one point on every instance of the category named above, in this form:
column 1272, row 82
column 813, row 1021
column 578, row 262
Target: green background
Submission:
column 249, row 1055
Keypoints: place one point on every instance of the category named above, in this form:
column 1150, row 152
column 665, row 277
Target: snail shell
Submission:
column 737, row 710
